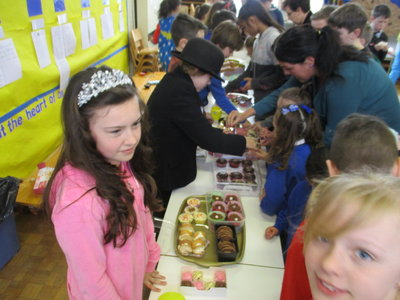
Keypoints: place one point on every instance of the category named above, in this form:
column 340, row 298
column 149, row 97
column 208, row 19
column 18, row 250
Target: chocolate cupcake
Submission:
column 248, row 169
column 234, row 163
column 219, row 206
column 216, row 198
column 222, row 177
column 235, row 216
column 247, row 162
column 221, row 162
column 234, row 206
column 250, row 178
column 236, row 177
column 231, row 197
column 216, row 216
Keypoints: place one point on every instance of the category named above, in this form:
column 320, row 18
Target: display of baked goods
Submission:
column 236, row 174
column 240, row 99
column 204, row 282
column 196, row 238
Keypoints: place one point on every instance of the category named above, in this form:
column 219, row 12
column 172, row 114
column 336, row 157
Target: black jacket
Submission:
column 178, row 126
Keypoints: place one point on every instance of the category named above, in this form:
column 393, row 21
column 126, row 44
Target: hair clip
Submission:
column 306, row 108
column 290, row 108
column 100, row 82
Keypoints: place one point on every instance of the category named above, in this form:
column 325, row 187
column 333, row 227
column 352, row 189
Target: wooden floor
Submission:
column 38, row 270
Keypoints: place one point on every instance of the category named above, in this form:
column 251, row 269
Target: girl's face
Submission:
column 362, row 263
column 116, row 130
column 249, row 26
column 302, row 71
column 201, row 81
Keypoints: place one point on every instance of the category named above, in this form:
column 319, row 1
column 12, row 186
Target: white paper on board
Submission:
column 37, row 24
column 85, row 34
column 107, row 26
column 69, row 39
column 42, row 51
column 58, row 42
column 92, row 32
column 1, row 33
column 85, row 14
column 10, row 65
column 64, row 70
column 62, row 19
column 121, row 22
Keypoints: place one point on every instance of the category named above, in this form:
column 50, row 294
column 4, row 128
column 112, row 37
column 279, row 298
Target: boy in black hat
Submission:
column 178, row 123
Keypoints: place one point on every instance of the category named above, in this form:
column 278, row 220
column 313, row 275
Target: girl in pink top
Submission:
column 101, row 195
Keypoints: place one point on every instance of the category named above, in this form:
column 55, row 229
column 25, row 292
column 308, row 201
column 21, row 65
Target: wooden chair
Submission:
column 144, row 59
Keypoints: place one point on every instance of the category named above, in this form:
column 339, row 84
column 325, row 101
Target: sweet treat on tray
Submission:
column 236, row 176
column 221, row 162
column 247, row 162
column 234, row 206
column 220, row 284
column 186, row 283
column 235, row 216
column 199, row 250
column 220, row 276
column 209, row 284
column 185, row 249
column 200, row 235
column 216, row 198
column 186, row 227
column 193, row 202
column 199, row 217
column 219, row 206
column 217, row 216
column 222, row 177
column 224, row 233
column 234, row 163
column 198, row 285
column 185, row 218
column 226, row 247
column 191, row 209
column 185, row 236
column 186, row 276
column 248, row 169
column 231, row 197
column 250, row 178
column 197, row 275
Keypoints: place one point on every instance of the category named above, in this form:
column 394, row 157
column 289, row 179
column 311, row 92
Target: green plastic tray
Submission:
column 210, row 258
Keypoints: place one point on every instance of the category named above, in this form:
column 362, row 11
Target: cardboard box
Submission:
column 8, row 240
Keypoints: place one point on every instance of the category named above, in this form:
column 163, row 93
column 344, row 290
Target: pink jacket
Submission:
column 95, row 270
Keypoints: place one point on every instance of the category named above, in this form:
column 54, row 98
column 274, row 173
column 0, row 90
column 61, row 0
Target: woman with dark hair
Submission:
column 263, row 73
column 341, row 80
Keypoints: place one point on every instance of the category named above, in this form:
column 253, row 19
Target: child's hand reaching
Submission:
column 270, row 232
column 259, row 154
column 153, row 278
column 247, row 86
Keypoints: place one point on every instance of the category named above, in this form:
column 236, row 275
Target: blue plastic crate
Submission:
column 9, row 243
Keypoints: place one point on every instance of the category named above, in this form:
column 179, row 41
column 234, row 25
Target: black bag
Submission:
column 8, row 194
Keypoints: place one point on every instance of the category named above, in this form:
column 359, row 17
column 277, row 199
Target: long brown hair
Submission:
column 299, row 123
column 79, row 150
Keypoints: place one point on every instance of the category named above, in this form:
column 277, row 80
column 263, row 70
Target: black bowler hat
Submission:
column 203, row 55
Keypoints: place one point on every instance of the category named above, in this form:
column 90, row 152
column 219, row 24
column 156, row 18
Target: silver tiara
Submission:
column 100, row 82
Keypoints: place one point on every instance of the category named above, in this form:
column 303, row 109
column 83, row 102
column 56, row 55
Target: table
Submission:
column 141, row 80
column 258, row 276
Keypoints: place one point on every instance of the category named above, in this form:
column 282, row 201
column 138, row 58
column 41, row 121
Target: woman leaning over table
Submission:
column 341, row 80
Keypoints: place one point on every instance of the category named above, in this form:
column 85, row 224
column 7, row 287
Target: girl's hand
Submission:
column 251, row 144
column 153, row 278
column 236, row 117
column 270, row 232
column 259, row 154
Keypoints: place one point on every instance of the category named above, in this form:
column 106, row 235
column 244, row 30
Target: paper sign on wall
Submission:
column 10, row 65
column 42, row 51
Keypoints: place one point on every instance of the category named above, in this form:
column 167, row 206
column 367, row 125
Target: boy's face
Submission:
column 296, row 16
column 201, row 81
column 362, row 263
column 227, row 51
column 379, row 23
column 346, row 37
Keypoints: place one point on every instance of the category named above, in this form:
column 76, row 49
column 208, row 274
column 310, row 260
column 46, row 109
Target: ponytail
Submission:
column 166, row 7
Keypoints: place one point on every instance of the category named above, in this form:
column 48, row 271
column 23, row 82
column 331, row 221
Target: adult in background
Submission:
column 298, row 11
column 273, row 11
column 340, row 79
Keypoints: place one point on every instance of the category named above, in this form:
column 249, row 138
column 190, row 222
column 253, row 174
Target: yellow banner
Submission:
column 30, row 127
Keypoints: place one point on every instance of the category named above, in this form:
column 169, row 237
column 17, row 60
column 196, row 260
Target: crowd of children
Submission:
column 332, row 111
